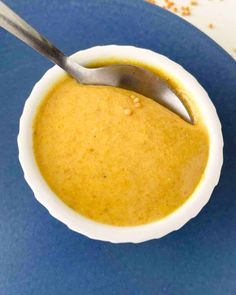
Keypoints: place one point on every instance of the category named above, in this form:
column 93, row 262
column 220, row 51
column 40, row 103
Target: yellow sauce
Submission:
column 113, row 166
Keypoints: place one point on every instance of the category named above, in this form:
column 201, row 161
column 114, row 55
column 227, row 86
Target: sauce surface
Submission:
column 112, row 160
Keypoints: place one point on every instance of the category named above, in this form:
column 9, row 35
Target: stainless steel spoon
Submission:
column 125, row 76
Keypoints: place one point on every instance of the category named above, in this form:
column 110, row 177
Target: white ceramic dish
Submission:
column 89, row 227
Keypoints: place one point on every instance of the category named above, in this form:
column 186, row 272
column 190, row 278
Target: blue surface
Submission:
column 38, row 254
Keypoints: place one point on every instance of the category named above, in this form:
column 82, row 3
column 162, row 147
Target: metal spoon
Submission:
column 124, row 76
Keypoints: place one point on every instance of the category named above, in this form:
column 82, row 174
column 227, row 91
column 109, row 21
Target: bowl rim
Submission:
column 91, row 228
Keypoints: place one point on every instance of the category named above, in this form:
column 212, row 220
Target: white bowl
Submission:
column 111, row 233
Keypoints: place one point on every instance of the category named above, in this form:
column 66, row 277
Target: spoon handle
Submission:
column 15, row 25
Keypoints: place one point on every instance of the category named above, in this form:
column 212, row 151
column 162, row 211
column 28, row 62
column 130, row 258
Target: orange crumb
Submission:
column 210, row 26
column 150, row 1
column 170, row 4
column 235, row 49
column 185, row 8
column 185, row 13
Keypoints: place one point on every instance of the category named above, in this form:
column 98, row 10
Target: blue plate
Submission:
column 38, row 254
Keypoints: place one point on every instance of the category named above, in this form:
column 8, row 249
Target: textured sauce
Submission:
column 116, row 166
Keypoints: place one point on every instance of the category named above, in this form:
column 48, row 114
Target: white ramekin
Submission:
column 89, row 227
